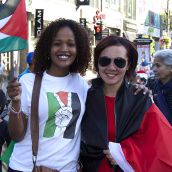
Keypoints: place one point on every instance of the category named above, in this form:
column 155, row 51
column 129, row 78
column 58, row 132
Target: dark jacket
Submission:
column 162, row 95
column 129, row 112
column 3, row 100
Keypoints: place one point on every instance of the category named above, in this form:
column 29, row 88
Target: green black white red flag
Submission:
column 13, row 26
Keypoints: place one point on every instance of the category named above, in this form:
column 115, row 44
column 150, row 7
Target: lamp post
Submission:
column 101, row 8
column 101, row 5
column 167, row 13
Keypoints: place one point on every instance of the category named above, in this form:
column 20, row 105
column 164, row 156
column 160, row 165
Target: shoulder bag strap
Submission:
column 34, row 122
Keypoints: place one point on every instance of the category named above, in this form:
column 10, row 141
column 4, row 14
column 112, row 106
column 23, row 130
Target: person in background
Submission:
column 29, row 59
column 3, row 74
column 120, row 130
column 2, row 68
column 4, row 135
column 9, row 149
column 161, row 84
column 97, row 19
column 61, row 53
column 144, row 65
column 142, row 77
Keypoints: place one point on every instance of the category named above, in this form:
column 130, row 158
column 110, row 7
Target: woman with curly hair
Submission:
column 61, row 53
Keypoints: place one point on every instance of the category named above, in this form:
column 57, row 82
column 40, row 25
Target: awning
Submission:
column 129, row 35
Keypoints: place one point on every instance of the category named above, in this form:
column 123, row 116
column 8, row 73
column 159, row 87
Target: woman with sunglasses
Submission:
column 122, row 131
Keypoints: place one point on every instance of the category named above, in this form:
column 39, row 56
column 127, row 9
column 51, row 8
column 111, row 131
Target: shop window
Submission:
column 130, row 9
column 115, row 4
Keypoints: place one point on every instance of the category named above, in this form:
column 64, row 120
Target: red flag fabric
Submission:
column 141, row 154
column 13, row 26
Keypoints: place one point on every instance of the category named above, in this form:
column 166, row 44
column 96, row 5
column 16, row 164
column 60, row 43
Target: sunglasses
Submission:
column 105, row 61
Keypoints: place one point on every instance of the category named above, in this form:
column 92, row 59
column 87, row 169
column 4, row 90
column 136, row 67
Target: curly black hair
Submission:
column 41, row 60
column 132, row 53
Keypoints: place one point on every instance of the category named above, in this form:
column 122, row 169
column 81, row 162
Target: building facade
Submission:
column 127, row 18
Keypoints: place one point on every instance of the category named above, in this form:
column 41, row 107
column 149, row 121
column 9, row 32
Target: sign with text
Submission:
column 105, row 32
column 39, row 20
column 83, row 21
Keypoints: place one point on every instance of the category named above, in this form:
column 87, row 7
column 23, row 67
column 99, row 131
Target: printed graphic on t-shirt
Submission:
column 63, row 112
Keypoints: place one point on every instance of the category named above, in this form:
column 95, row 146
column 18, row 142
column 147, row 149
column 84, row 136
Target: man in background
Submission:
column 4, row 135
column 29, row 58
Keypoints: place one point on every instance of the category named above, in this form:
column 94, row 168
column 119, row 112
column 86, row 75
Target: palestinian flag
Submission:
column 63, row 112
column 13, row 26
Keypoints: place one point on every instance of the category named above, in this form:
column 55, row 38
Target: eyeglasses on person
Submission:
column 105, row 61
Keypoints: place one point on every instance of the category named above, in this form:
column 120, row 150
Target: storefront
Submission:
column 129, row 30
column 114, row 21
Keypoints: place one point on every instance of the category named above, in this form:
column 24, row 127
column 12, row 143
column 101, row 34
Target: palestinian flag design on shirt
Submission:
column 13, row 26
column 63, row 112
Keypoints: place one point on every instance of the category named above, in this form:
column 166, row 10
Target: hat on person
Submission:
column 29, row 57
column 142, row 74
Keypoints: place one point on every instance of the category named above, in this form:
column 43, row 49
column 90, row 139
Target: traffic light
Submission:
column 98, row 32
column 83, row 21
column 82, row 2
column 97, row 29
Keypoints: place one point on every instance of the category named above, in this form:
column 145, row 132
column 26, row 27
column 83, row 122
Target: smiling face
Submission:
column 63, row 52
column 162, row 72
column 111, row 74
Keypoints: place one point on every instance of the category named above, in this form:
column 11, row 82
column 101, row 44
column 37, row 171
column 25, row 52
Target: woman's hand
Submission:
column 109, row 157
column 14, row 92
column 141, row 87
column 17, row 124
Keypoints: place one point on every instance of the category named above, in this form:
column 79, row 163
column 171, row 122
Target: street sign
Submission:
column 142, row 41
column 105, row 32
column 38, row 22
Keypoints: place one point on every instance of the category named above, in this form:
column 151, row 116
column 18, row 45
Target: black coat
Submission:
column 129, row 112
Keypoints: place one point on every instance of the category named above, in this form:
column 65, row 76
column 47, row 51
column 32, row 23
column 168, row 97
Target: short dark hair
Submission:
column 132, row 53
column 41, row 60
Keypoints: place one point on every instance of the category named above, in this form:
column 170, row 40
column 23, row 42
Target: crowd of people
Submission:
column 4, row 135
column 113, row 124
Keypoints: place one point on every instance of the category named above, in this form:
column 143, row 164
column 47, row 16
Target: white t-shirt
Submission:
column 61, row 108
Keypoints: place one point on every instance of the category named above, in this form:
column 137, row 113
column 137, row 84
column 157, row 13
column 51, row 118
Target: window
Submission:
column 114, row 4
column 130, row 9
column 107, row 3
column 113, row 1
column 95, row 3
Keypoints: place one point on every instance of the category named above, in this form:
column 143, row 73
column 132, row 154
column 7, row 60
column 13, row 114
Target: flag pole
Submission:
column 11, row 74
column 14, row 66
